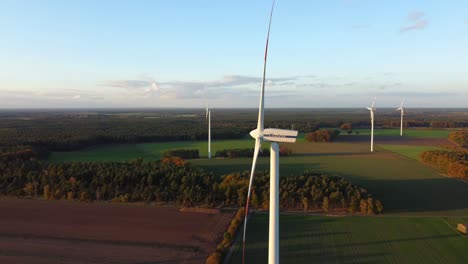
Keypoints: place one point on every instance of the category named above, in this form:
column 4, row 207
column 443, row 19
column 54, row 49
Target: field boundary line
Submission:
column 454, row 229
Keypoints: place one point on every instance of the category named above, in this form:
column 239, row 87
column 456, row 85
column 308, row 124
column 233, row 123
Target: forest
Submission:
column 62, row 130
column 175, row 182
column 454, row 163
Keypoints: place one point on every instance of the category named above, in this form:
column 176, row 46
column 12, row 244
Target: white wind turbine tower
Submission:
column 274, row 136
column 402, row 113
column 208, row 118
column 371, row 109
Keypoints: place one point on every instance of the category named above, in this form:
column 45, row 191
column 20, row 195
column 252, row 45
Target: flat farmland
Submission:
column 33, row 231
column 421, row 133
column 147, row 151
column 408, row 150
column 319, row 239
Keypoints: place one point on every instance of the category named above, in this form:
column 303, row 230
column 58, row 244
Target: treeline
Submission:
column 454, row 163
column 228, row 237
column 176, row 182
column 460, row 138
column 64, row 130
column 241, row 153
column 183, row 153
column 248, row 152
column 323, row 135
column 76, row 132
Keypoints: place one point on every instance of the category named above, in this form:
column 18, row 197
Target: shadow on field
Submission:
column 395, row 140
column 331, row 154
column 312, row 242
column 419, row 195
column 422, row 238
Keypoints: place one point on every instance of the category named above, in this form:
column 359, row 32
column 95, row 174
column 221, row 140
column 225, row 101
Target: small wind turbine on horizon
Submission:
column 371, row 109
column 208, row 118
column 402, row 114
column 274, row 136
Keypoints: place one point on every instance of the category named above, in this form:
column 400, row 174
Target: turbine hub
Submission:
column 255, row 133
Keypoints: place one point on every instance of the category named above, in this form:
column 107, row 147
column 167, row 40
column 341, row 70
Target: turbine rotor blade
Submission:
column 258, row 144
column 262, row 92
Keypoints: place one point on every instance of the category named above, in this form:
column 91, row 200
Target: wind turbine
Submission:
column 208, row 118
column 371, row 109
column 402, row 113
column 274, row 136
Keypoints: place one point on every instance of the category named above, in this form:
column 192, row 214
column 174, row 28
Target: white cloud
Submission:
column 417, row 21
column 229, row 85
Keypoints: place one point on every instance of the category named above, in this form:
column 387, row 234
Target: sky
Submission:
column 181, row 53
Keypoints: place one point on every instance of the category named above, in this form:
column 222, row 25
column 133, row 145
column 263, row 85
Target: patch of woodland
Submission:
column 453, row 163
column 176, row 182
column 460, row 138
column 322, row 135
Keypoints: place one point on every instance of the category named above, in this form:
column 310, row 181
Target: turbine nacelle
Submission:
column 275, row 135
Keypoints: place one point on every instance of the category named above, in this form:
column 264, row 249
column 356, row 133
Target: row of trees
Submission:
column 241, row 153
column 228, row 237
column 248, row 152
column 183, row 153
column 451, row 162
column 172, row 181
column 322, row 135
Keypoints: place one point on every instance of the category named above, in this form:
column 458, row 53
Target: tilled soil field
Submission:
column 33, row 231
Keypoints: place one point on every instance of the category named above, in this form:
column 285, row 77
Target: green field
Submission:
column 423, row 133
column 318, row 239
column 147, row 151
column 408, row 151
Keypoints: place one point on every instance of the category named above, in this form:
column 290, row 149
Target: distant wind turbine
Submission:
column 371, row 109
column 402, row 113
column 274, row 136
column 208, row 118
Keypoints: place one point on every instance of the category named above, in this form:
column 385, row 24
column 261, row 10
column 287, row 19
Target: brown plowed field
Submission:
column 33, row 231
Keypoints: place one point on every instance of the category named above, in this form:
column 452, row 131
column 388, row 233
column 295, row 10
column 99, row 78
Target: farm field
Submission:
column 318, row 239
column 423, row 133
column 33, row 231
column 147, row 151
column 154, row 151
column 408, row 151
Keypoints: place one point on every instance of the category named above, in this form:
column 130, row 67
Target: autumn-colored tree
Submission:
column 325, row 204
column 29, row 189
column 363, row 206
column 47, row 192
column 347, row 127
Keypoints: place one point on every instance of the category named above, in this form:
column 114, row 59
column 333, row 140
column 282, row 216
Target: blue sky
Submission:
column 337, row 53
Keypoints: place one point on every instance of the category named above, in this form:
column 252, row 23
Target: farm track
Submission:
column 324, row 250
column 434, row 251
column 389, row 242
column 352, row 243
